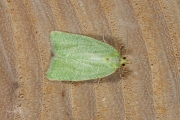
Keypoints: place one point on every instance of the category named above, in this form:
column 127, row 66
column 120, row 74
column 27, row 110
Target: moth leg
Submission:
column 123, row 72
column 103, row 38
column 98, row 81
column 120, row 75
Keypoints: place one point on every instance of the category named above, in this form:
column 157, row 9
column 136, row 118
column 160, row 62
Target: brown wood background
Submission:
column 149, row 30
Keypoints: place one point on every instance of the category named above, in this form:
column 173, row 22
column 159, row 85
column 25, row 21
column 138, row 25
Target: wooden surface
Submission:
column 149, row 30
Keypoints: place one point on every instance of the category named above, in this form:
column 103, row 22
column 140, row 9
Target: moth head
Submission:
column 123, row 61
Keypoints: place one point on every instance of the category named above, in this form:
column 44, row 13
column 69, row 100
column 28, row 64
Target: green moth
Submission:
column 78, row 58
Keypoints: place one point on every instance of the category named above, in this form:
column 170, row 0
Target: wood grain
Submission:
column 145, row 31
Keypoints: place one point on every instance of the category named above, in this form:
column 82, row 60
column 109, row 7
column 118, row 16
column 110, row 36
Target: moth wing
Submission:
column 78, row 57
column 76, row 70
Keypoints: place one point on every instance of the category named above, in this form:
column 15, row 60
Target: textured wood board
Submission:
column 148, row 30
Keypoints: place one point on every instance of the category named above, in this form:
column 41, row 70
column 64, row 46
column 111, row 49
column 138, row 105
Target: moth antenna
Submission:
column 125, row 53
column 127, row 43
